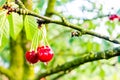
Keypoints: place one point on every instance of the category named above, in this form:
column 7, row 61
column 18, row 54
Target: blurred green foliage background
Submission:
column 67, row 48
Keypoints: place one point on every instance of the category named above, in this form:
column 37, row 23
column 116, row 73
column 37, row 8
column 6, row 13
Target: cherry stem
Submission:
column 44, row 36
column 31, row 48
column 38, row 35
column 33, row 41
column 46, row 63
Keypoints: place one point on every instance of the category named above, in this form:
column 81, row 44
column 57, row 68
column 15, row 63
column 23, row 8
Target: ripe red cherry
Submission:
column 31, row 57
column 45, row 53
column 113, row 16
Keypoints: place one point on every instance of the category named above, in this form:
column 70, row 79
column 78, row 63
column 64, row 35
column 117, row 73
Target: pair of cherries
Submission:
column 43, row 54
column 113, row 17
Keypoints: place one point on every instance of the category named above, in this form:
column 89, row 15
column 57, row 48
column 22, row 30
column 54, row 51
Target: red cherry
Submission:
column 31, row 57
column 40, row 48
column 45, row 53
column 113, row 16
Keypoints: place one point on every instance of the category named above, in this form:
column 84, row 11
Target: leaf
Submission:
column 118, row 36
column 4, row 29
column 4, row 42
column 119, row 59
column 111, row 26
column 2, row 2
column 36, row 39
column 102, row 73
column 106, row 45
column 71, row 40
column 2, row 22
column 4, row 53
column 89, row 25
column 36, row 10
column 30, row 27
column 41, row 3
column 16, row 24
column 93, row 67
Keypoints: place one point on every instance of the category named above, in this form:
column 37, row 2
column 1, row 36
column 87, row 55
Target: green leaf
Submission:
column 71, row 40
column 89, row 25
column 93, row 67
column 119, row 59
column 118, row 36
column 30, row 27
column 16, row 24
column 41, row 3
column 36, row 39
column 4, row 41
column 4, row 29
column 2, row 2
column 106, row 45
column 2, row 25
column 102, row 73
column 5, row 54
column 36, row 10
column 111, row 26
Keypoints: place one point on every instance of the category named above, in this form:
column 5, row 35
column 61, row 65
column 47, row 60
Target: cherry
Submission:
column 113, row 16
column 31, row 57
column 45, row 53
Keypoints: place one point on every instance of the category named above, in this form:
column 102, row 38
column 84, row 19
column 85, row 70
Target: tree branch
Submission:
column 81, row 60
column 64, row 22
column 6, row 72
column 21, row 5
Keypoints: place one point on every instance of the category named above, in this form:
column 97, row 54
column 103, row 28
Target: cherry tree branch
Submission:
column 21, row 5
column 65, row 23
column 81, row 60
